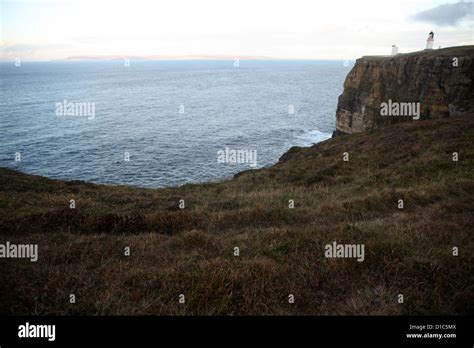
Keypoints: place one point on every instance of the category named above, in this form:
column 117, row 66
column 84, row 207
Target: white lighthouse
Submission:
column 430, row 41
column 394, row 50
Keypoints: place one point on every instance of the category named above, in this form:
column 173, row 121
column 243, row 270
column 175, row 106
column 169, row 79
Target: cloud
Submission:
column 449, row 14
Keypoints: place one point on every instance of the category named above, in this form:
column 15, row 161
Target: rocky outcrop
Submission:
column 441, row 81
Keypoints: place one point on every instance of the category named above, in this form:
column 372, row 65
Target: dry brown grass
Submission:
column 190, row 251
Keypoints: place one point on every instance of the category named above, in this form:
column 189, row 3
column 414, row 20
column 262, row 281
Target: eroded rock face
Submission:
column 442, row 81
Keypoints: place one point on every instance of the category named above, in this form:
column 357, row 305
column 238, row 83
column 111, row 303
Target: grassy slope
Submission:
column 190, row 251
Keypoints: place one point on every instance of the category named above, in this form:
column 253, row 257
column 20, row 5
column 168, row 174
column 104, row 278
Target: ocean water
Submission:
column 162, row 123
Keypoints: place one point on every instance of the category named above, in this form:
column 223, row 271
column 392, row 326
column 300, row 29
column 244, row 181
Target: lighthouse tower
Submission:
column 394, row 50
column 430, row 41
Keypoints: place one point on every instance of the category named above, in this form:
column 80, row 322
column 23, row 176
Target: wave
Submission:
column 310, row 137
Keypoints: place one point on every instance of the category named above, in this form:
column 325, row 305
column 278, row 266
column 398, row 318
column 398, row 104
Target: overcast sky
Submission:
column 299, row 29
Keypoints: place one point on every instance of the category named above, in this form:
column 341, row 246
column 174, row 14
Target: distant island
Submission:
column 168, row 57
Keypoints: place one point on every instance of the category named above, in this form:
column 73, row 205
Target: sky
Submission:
column 283, row 29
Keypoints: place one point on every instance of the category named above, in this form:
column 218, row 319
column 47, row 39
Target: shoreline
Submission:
column 222, row 179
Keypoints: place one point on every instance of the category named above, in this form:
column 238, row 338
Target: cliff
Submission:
column 441, row 81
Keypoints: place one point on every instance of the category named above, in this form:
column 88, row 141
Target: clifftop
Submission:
column 281, row 248
column 441, row 81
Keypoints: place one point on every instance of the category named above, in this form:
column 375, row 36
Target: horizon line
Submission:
column 196, row 57
column 167, row 59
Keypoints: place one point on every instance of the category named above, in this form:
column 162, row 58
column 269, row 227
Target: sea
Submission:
column 162, row 123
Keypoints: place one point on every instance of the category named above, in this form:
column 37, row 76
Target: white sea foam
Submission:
column 310, row 137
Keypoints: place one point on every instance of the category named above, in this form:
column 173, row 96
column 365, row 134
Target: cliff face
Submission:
column 441, row 81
